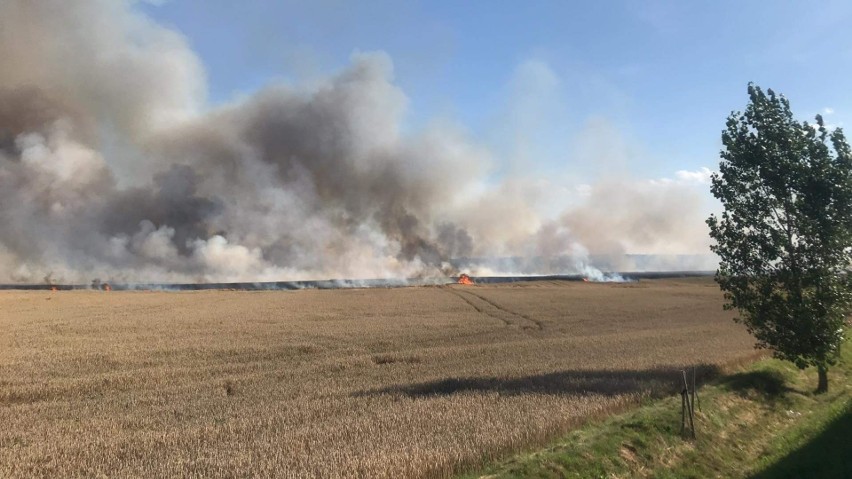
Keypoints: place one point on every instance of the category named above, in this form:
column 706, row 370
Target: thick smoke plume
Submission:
column 112, row 166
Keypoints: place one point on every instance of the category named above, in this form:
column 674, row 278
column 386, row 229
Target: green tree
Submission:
column 785, row 234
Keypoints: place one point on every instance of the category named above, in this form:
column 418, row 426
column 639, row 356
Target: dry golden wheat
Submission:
column 409, row 382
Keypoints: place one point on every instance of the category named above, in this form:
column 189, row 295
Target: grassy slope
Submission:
column 762, row 421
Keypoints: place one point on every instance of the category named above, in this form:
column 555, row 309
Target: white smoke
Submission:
column 113, row 166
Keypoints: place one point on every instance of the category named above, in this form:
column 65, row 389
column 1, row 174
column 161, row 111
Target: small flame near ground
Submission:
column 101, row 286
column 465, row 279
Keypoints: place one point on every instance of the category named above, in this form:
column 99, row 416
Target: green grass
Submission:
column 819, row 447
column 763, row 421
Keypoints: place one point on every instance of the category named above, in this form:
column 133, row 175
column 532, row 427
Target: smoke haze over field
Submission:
column 112, row 165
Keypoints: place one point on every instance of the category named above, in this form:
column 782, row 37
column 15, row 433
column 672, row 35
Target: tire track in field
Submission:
column 538, row 324
column 477, row 308
column 494, row 310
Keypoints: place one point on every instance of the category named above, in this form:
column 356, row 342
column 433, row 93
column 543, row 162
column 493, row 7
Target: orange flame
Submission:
column 107, row 287
column 54, row 288
column 465, row 279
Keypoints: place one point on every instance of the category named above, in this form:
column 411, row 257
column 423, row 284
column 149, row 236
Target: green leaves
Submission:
column 785, row 236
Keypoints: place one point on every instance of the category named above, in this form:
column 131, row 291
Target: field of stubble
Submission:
column 409, row 382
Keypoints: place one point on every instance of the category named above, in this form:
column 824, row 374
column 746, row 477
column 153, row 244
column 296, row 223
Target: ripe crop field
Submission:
column 406, row 382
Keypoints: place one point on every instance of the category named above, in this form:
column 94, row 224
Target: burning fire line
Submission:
column 465, row 279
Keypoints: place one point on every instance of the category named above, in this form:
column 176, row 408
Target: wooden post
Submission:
column 688, row 403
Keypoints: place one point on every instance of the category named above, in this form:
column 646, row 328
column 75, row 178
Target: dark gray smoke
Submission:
column 111, row 167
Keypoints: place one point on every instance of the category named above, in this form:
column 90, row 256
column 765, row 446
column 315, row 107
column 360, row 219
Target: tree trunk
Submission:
column 822, row 386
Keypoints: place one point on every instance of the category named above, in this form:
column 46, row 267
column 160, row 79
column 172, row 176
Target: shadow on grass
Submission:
column 656, row 381
column 826, row 456
column 767, row 383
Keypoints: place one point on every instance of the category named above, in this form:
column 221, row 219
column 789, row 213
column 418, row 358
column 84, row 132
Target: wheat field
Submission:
column 404, row 382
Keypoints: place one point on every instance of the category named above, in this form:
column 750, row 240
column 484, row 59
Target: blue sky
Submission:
column 662, row 76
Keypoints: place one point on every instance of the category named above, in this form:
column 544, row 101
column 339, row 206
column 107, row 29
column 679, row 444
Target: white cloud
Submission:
column 828, row 110
column 697, row 177
column 700, row 176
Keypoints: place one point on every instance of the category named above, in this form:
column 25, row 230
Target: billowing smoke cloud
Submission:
column 111, row 167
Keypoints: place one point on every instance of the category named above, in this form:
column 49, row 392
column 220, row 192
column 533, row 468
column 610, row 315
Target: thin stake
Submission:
column 686, row 398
